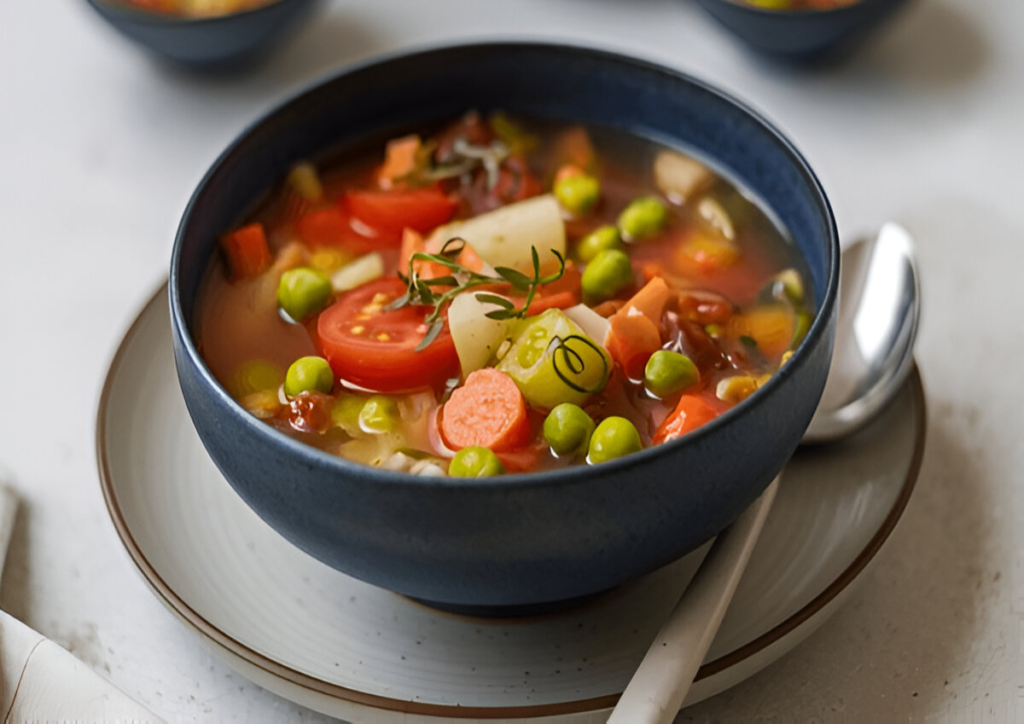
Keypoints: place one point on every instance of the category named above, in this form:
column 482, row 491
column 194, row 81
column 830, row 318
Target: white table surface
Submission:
column 100, row 148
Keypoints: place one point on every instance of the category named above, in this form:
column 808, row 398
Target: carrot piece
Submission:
column 573, row 146
column 488, row 410
column 520, row 460
column 569, row 170
column 650, row 300
column 247, row 251
column 544, row 302
column 399, row 160
column 691, row 412
column 635, row 332
column 632, row 339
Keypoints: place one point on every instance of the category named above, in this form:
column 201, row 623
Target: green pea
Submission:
column 303, row 291
column 255, row 376
column 613, row 438
column 307, row 374
column 475, row 462
column 669, row 372
column 605, row 237
column 379, row 415
column 345, row 413
column 642, row 218
column 578, row 194
column 606, row 275
column 567, row 429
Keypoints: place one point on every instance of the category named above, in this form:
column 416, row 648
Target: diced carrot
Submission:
column 413, row 243
column 469, row 259
column 691, row 412
column 544, row 302
column 488, row 410
column 771, row 327
column 650, row 300
column 573, row 146
column 635, row 332
column 247, row 251
column 703, row 255
column 632, row 339
column 521, row 460
column 608, row 308
column 569, row 170
column 399, row 160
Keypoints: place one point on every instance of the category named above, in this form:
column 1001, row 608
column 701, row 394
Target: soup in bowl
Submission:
column 532, row 322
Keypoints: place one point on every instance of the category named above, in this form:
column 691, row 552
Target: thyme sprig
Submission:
column 426, row 292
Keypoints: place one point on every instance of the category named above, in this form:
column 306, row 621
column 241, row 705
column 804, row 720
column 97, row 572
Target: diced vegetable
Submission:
column 713, row 213
column 487, row 411
column 609, row 273
column 669, row 372
column 771, row 327
column 308, row 374
column 399, row 160
column 680, row 177
column 593, row 324
column 475, row 462
column 704, row 254
column 635, row 330
column 553, row 361
column 690, row 412
column 573, row 146
column 613, row 438
column 304, row 181
column 303, row 291
column 792, row 285
column 356, row 273
column 247, row 251
column 476, row 336
column 505, row 236
column 737, row 388
column 567, row 429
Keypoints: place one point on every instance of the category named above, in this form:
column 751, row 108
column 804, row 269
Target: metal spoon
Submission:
column 879, row 309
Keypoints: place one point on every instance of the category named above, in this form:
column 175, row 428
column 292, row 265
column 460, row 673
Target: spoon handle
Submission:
column 660, row 684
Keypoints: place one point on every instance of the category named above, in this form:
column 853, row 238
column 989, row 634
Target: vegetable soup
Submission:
column 198, row 8
column 500, row 295
column 800, row 4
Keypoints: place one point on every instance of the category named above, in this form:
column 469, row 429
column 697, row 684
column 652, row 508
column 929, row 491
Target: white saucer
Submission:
column 348, row 649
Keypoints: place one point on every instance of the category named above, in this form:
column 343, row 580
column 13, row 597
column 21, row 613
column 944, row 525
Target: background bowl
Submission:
column 218, row 40
column 518, row 540
column 802, row 35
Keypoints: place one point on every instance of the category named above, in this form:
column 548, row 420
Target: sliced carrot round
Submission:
column 489, row 411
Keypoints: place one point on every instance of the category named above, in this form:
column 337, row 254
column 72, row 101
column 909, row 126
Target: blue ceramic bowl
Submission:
column 802, row 35
column 219, row 40
column 529, row 539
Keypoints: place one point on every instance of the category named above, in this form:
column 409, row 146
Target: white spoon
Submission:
column 879, row 309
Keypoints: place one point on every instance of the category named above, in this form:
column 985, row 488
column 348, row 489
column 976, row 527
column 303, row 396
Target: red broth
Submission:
column 385, row 305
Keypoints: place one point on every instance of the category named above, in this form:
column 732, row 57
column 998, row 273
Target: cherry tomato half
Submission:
column 374, row 348
column 391, row 211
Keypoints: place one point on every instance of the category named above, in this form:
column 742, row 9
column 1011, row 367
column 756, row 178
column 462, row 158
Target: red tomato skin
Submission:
column 332, row 226
column 382, row 354
column 392, row 211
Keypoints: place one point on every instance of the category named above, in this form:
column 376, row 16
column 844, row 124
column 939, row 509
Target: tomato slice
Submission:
column 374, row 348
column 331, row 226
column 392, row 211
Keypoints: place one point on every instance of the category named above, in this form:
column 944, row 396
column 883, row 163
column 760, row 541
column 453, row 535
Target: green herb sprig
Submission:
column 421, row 292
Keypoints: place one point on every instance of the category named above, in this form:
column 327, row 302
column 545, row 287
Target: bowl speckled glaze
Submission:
column 802, row 35
column 519, row 541
column 210, row 41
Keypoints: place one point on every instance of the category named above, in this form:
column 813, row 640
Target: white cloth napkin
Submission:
column 39, row 680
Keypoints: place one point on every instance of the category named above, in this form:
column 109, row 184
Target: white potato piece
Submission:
column 680, row 177
column 357, row 272
column 713, row 213
column 503, row 237
column 476, row 336
column 593, row 324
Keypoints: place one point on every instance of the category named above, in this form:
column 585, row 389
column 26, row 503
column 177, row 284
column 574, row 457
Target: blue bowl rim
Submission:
column 314, row 457
column 122, row 9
